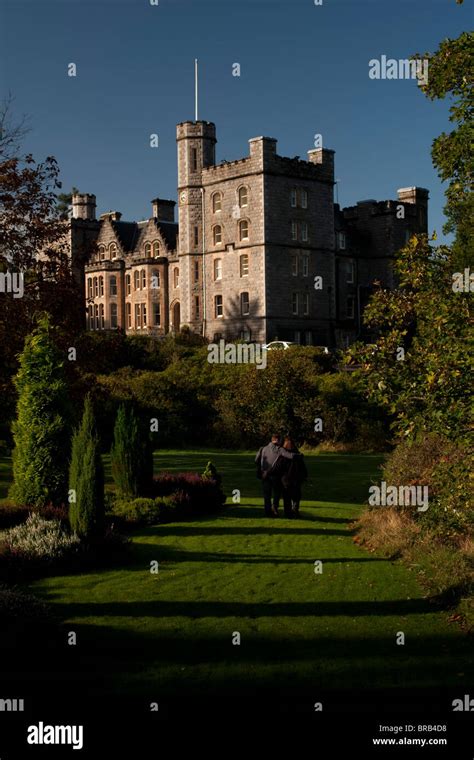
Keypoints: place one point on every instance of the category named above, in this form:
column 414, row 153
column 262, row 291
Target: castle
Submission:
column 260, row 251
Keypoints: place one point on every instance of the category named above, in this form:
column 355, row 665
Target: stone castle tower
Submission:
column 260, row 251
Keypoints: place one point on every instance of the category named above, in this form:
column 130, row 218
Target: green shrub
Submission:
column 131, row 455
column 138, row 511
column 41, row 430
column 86, row 479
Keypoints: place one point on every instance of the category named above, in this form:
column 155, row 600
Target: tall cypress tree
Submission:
column 86, row 478
column 42, row 428
column 131, row 454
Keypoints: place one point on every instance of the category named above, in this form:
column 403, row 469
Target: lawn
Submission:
column 240, row 572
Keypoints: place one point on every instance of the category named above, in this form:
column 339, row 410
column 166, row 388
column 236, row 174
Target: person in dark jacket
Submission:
column 292, row 474
column 266, row 459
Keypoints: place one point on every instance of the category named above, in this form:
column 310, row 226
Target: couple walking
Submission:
column 282, row 470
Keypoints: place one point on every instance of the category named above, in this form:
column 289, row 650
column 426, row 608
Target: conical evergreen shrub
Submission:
column 42, row 429
column 86, row 479
column 131, row 455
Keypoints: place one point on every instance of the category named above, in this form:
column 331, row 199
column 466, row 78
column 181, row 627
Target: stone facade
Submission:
column 260, row 251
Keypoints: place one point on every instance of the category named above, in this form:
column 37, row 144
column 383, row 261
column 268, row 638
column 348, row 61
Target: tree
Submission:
column 64, row 203
column 451, row 75
column 41, row 430
column 131, row 454
column 86, row 479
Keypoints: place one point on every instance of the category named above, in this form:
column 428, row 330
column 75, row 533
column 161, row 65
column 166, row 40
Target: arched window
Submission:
column 101, row 252
column 91, row 317
column 216, row 202
column 113, row 315
column 102, row 317
column 96, row 315
column 243, row 230
column 217, row 234
column 129, row 314
column 176, row 277
column 113, row 251
column 96, row 287
column 128, row 284
column 148, row 250
column 90, row 292
column 113, row 285
column 101, row 286
column 136, row 279
column 243, row 197
column 156, row 249
column 143, row 278
column 244, row 265
column 155, row 279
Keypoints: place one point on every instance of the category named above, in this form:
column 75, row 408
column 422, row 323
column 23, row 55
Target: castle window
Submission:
column 156, row 314
column 113, row 251
column 244, row 265
column 176, row 277
column 217, row 234
column 138, row 316
column 306, row 304
column 294, row 265
column 194, row 160
column 243, row 230
column 143, row 278
column 128, row 284
column 309, row 338
column 113, row 285
column 96, row 287
column 196, row 270
column 129, row 314
column 305, row 265
column 90, row 292
column 91, row 317
column 155, row 279
column 350, row 272
column 101, row 252
column 156, row 249
column 244, row 304
column 101, row 286
column 113, row 315
column 304, row 199
column 218, row 307
column 144, row 314
column 217, row 269
column 136, row 279
column 102, row 316
column 148, row 250
column 196, row 235
column 216, row 202
column 350, row 307
column 298, row 337
column 294, row 198
column 96, row 315
column 341, row 241
column 197, row 307
column 294, row 303
column 304, row 232
column 243, row 197
column 294, row 230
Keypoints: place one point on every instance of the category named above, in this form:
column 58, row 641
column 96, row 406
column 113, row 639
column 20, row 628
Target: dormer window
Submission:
column 113, row 250
column 156, row 249
column 101, row 252
column 148, row 250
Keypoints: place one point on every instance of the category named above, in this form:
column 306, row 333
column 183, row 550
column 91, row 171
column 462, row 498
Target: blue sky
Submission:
column 304, row 70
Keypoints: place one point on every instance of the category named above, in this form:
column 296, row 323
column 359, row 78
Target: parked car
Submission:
column 278, row 345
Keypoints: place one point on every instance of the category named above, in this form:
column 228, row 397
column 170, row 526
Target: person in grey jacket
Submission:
column 266, row 460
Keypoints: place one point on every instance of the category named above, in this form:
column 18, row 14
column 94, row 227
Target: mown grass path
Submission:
column 242, row 572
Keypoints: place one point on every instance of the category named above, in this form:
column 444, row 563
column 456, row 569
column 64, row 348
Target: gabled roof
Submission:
column 169, row 233
column 127, row 233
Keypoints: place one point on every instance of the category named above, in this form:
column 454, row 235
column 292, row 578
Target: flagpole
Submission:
column 195, row 89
